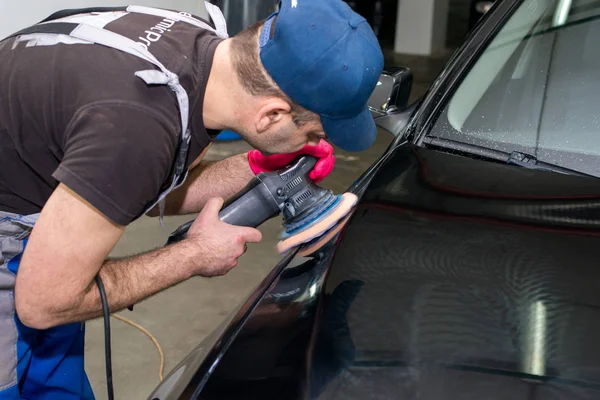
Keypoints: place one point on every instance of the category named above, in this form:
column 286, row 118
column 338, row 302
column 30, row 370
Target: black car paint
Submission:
column 431, row 282
column 423, row 233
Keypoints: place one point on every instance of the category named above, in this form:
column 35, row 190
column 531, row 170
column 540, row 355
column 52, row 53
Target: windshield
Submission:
column 535, row 88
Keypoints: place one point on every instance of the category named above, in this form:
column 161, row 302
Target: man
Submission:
column 92, row 136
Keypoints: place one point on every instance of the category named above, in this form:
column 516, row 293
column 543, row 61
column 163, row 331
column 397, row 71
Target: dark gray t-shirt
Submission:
column 77, row 114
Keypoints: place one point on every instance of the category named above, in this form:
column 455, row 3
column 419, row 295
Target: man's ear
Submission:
column 271, row 111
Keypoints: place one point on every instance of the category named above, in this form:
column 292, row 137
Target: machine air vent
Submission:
column 294, row 183
column 303, row 196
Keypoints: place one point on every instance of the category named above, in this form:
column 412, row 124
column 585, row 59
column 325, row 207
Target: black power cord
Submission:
column 107, row 347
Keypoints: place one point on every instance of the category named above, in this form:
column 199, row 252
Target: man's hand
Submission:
column 323, row 151
column 218, row 245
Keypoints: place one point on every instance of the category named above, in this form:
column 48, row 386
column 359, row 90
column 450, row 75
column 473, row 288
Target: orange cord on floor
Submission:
column 145, row 331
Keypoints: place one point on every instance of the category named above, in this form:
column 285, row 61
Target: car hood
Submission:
column 454, row 278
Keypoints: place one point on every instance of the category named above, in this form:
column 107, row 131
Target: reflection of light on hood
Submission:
column 313, row 290
column 534, row 357
column 562, row 13
column 483, row 6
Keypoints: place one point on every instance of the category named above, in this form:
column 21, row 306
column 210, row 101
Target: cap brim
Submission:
column 351, row 134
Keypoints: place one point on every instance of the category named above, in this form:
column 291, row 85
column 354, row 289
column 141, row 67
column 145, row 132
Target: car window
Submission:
column 535, row 88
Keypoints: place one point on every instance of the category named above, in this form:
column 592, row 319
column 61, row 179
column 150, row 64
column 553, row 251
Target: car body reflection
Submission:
column 442, row 284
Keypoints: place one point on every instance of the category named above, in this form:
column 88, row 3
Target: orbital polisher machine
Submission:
column 309, row 211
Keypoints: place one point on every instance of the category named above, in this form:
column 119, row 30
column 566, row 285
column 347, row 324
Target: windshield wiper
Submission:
column 513, row 158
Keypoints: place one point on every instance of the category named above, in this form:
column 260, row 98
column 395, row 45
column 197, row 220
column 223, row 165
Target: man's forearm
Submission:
column 222, row 179
column 55, row 284
column 132, row 279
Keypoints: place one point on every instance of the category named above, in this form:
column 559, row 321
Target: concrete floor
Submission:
column 182, row 316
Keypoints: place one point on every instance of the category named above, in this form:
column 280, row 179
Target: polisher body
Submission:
column 289, row 191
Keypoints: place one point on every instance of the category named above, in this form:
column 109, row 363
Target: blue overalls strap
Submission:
column 161, row 76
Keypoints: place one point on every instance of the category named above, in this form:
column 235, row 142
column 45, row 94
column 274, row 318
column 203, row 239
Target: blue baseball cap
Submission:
column 327, row 59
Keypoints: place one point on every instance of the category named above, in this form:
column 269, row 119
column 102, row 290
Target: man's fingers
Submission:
column 322, row 169
column 278, row 161
column 315, row 151
column 251, row 235
column 213, row 206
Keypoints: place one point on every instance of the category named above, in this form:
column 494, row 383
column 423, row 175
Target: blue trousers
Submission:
column 35, row 364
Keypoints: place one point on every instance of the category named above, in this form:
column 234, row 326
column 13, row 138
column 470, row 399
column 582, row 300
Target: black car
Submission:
column 470, row 268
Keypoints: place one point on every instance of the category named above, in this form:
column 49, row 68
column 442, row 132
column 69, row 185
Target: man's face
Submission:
column 285, row 137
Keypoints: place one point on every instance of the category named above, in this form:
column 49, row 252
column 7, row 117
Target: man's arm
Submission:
column 69, row 245
column 222, row 179
column 227, row 177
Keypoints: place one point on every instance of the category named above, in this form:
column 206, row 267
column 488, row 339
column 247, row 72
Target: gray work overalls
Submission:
column 49, row 364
